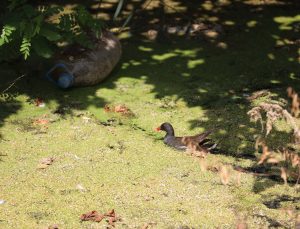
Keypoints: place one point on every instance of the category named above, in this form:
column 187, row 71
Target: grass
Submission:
column 122, row 163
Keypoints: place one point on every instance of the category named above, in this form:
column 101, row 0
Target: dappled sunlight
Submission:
column 164, row 56
column 252, row 23
column 145, row 49
column 197, row 80
column 286, row 23
column 195, row 63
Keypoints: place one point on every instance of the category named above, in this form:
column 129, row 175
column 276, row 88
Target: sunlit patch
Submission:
column 251, row 23
column 271, row 56
column 187, row 53
column 164, row 56
column 275, row 81
column 230, row 23
column 222, row 45
column 292, row 76
column 145, row 49
column 125, row 65
column 207, row 5
column 185, row 74
column 222, row 132
column 194, row 63
column 265, row 2
column 287, row 22
column 213, row 19
column 203, row 91
column 135, row 63
column 124, row 35
column 211, row 33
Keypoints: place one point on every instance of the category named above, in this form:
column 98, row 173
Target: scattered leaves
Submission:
column 92, row 216
column 98, row 217
column 121, row 109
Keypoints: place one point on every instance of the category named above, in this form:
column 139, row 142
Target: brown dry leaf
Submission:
column 40, row 121
column 259, row 142
column 203, row 164
column 238, row 178
column 92, row 216
column 241, row 225
column 213, row 168
column 224, row 174
column 107, row 108
column 241, row 221
column 266, row 153
column 122, row 109
column 284, row 174
column 54, row 226
column 290, row 92
column 295, row 105
column 39, row 102
column 297, row 221
column 45, row 162
column 295, row 159
column 289, row 211
column 273, row 160
column 258, row 94
column 145, row 226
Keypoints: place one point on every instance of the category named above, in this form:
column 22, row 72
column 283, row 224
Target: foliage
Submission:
column 285, row 160
column 27, row 28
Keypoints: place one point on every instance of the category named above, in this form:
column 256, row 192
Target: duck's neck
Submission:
column 170, row 132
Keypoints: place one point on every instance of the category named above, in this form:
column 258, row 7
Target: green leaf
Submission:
column 42, row 47
column 50, row 32
column 25, row 47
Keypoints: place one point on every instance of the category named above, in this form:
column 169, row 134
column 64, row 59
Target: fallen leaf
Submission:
column 284, row 174
column 224, row 174
column 122, row 109
column 97, row 217
column 92, row 216
column 41, row 121
column 54, row 226
column 145, row 226
column 39, row 102
column 203, row 165
column 81, row 188
column 45, row 162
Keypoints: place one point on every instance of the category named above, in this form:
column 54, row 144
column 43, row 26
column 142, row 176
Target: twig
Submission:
column 20, row 77
column 131, row 14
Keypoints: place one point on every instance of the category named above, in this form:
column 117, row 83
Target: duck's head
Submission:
column 166, row 127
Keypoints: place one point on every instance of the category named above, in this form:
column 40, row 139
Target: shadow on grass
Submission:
column 245, row 47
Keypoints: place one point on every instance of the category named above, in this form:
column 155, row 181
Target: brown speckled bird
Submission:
column 198, row 142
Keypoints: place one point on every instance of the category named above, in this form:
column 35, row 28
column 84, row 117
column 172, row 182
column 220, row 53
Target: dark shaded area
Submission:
column 243, row 57
column 277, row 202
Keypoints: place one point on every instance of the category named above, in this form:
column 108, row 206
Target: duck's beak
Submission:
column 158, row 129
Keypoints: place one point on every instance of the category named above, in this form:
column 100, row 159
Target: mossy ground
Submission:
column 122, row 163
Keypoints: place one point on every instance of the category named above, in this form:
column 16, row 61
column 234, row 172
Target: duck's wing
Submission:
column 200, row 138
column 175, row 142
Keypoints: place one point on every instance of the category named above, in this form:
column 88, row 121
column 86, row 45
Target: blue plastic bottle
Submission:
column 61, row 76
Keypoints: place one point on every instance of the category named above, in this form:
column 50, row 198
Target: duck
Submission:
column 198, row 142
